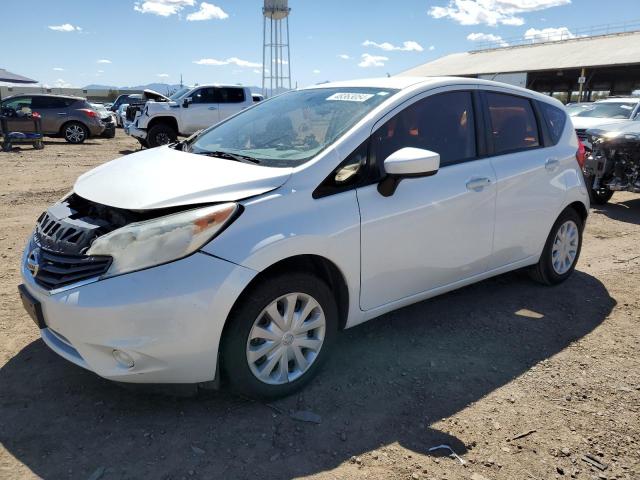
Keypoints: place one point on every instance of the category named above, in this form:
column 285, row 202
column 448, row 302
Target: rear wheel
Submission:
column 561, row 251
column 278, row 335
column 161, row 134
column 75, row 132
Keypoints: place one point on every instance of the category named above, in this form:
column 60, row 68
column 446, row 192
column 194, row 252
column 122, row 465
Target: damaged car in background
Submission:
column 614, row 163
column 187, row 111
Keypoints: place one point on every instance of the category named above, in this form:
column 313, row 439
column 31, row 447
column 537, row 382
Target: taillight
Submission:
column 89, row 113
column 581, row 154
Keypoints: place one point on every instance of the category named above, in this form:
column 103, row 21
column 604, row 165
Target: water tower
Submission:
column 276, row 69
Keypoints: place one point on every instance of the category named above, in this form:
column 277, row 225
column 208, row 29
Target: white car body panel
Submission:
column 163, row 177
column 431, row 236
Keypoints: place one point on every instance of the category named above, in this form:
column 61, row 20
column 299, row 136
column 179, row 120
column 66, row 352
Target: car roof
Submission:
column 411, row 84
column 398, row 83
column 42, row 95
column 619, row 100
column 224, row 85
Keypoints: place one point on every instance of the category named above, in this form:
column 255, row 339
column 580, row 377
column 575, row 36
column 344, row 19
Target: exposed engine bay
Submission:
column 147, row 95
column 71, row 225
column 58, row 250
column 614, row 162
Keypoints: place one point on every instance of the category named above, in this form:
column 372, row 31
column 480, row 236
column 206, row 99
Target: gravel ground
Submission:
column 521, row 381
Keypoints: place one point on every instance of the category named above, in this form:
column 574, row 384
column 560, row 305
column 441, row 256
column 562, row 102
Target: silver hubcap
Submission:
column 74, row 133
column 286, row 338
column 565, row 247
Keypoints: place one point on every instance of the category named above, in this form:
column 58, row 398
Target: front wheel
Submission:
column 600, row 195
column 561, row 251
column 161, row 135
column 75, row 132
column 278, row 335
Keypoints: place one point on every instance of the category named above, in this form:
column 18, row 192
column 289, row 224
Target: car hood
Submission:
column 149, row 94
column 629, row 127
column 163, row 177
column 590, row 122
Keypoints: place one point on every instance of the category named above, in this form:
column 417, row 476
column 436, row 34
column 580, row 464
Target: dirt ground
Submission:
column 474, row 369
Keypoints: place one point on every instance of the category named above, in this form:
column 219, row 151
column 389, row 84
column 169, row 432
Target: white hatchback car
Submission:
column 239, row 253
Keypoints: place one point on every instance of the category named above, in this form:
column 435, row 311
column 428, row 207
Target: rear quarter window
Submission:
column 555, row 119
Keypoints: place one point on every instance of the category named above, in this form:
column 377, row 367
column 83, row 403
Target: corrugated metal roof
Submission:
column 606, row 50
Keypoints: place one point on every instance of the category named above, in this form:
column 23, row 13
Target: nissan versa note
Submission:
column 240, row 252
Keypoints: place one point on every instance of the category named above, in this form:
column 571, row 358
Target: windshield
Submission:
column 576, row 108
column 179, row 93
column 292, row 128
column 608, row 110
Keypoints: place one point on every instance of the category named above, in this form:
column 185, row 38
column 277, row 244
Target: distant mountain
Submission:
column 94, row 86
column 158, row 87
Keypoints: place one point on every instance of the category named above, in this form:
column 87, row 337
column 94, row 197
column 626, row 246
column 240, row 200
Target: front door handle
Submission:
column 213, row 108
column 62, row 114
column 477, row 184
column 551, row 164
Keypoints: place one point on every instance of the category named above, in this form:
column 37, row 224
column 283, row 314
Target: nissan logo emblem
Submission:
column 33, row 261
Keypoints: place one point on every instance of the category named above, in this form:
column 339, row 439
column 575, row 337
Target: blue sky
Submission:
column 133, row 42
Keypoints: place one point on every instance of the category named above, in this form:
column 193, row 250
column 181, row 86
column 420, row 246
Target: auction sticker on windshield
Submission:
column 350, row 97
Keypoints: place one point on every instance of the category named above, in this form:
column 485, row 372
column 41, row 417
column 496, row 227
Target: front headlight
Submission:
column 153, row 242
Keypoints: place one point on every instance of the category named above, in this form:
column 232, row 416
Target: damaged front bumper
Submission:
column 159, row 325
column 132, row 130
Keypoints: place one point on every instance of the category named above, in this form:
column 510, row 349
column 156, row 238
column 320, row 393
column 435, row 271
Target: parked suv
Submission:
column 239, row 253
column 72, row 118
column 189, row 110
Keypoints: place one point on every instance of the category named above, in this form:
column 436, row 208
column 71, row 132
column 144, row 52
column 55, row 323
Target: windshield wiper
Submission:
column 230, row 156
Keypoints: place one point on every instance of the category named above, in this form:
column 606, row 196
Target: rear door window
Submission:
column 230, row 95
column 513, row 123
column 51, row 102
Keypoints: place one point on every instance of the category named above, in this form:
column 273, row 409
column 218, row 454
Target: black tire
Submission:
column 143, row 143
column 38, row 145
column 235, row 365
column 598, row 196
column 161, row 134
column 75, row 132
column 544, row 271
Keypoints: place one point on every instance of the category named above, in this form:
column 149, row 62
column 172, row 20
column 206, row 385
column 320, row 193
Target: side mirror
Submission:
column 407, row 162
column 186, row 102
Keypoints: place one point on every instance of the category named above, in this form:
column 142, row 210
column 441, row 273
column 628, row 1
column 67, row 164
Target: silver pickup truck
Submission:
column 162, row 119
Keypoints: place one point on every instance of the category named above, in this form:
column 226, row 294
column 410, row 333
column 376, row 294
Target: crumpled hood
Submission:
column 590, row 122
column 149, row 94
column 163, row 177
column 628, row 127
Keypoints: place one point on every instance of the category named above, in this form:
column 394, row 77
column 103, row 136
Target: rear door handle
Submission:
column 551, row 164
column 477, row 184
column 213, row 108
column 62, row 114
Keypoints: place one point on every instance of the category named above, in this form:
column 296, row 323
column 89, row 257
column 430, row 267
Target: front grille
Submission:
column 582, row 134
column 59, row 232
column 58, row 250
column 57, row 270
